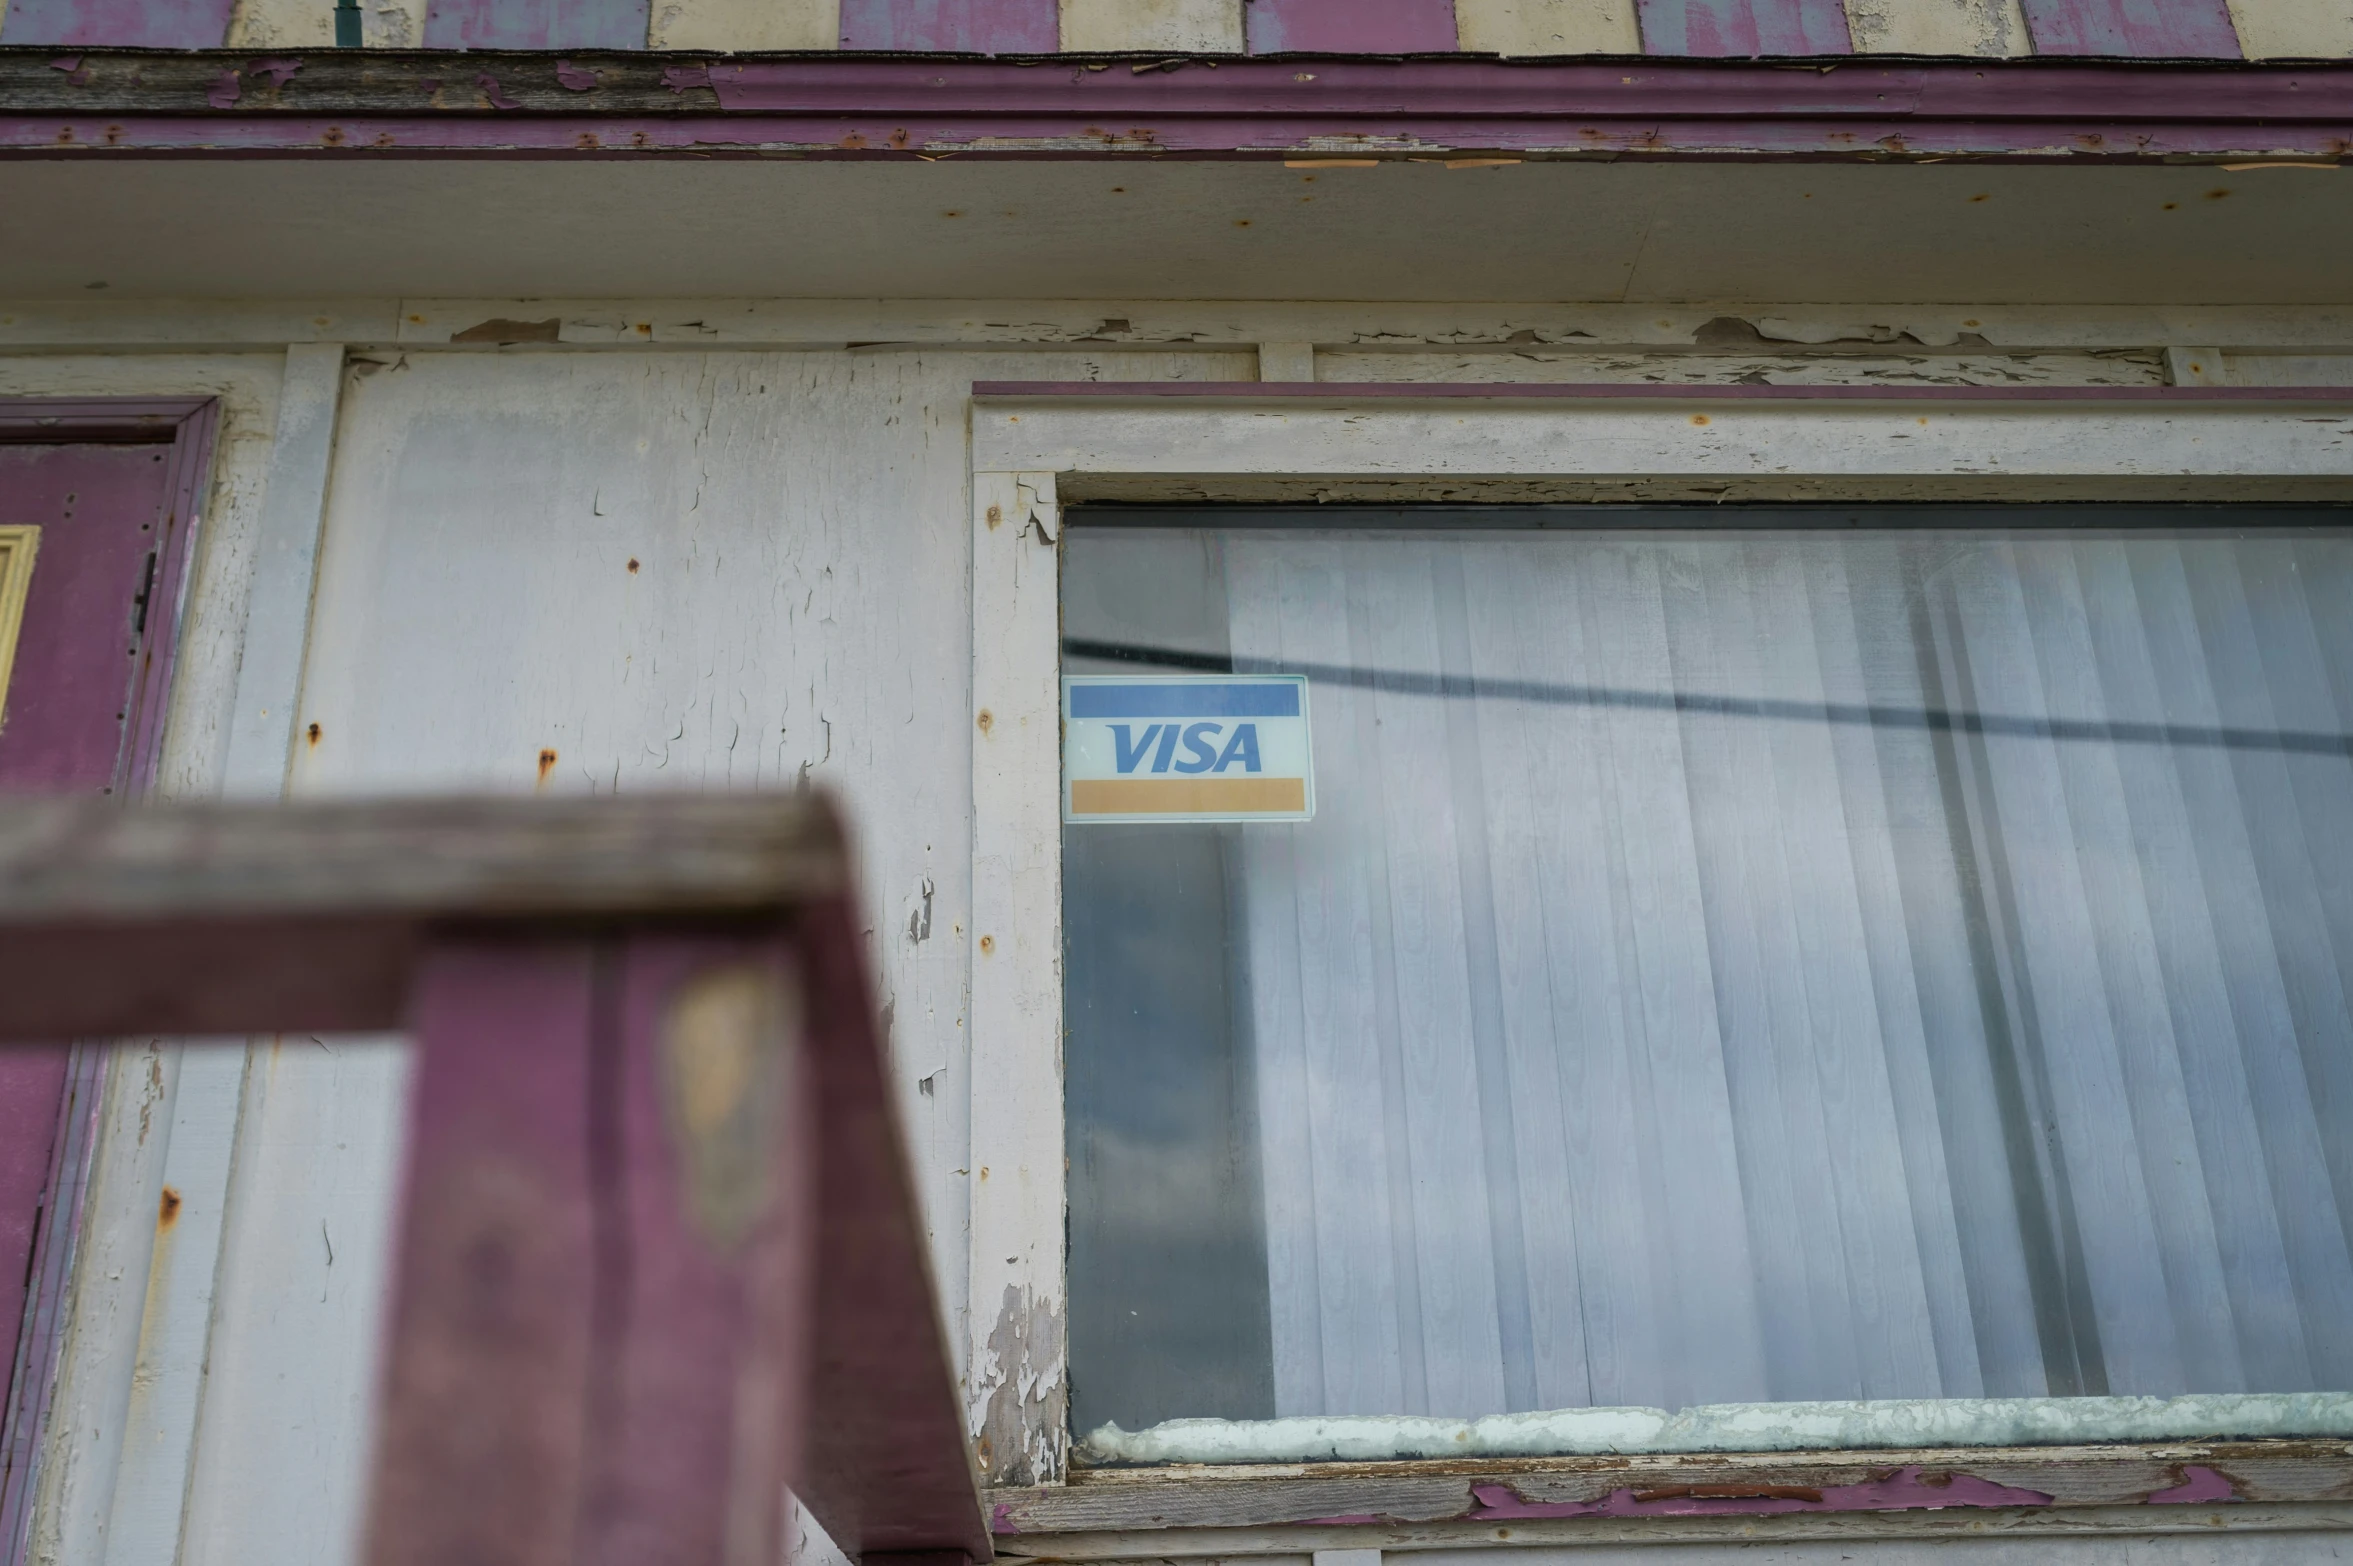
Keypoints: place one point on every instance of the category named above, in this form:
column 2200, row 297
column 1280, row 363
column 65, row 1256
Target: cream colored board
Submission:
column 20, row 545
column 1190, row 26
column 744, row 24
column 310, row 24
column 2294, row 29
column 1547, row 26
column 1979, row 28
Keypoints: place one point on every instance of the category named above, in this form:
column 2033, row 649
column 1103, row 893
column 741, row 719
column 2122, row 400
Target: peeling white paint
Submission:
column 1733, row 1427
column 1981, row 28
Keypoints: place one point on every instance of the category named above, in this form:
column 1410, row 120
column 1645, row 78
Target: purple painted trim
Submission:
column 41, row 1340
column 2029, row 111
column 953, row 26
column 123, row 24
column 2147, row 29
column 193, row 425
column 1904, row 1489
column 1722, row 28
column 536, row 24
column 1350, row 26
column 1490, row 391
column 2200, row 1486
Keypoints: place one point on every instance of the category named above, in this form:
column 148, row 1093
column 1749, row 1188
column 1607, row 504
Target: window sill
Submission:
column 1294, row 1508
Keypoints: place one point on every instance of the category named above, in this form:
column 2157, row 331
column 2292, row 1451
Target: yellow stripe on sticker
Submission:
column 1187, row 796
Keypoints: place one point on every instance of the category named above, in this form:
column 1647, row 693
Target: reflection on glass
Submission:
column 1725, row 967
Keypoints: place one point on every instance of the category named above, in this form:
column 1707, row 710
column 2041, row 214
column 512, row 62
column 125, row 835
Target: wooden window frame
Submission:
column 1038, row 446
column 190, row 426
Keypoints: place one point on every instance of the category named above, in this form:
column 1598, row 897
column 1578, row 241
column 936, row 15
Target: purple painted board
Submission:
column 600, row 1353
column 716, row 1197
column 1350, row 26
column 98, row 508
column 535, row 24
column 61, row 729
column 485, row 1425
column 120, row 24
column 958, row 26
column 1716, row 28
column 2150, row 29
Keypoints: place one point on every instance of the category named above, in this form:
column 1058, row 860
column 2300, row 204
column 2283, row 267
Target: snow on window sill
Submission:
column 1731, row 1427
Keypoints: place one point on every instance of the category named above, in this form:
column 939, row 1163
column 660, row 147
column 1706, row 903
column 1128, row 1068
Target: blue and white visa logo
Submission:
column 1186, row 747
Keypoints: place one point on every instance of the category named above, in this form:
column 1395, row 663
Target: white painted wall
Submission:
column 801, row 607
column 798, row 609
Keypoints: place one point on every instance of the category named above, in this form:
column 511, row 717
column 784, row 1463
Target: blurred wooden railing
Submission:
column 659, row 1249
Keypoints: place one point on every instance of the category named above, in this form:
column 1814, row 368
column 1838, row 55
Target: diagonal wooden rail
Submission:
column 659, row 1251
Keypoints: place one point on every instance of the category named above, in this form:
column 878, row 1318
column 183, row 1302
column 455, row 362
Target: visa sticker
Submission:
column 1186, row 747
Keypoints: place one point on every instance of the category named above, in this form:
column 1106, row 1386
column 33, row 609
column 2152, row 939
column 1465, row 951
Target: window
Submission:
column 1738, row 956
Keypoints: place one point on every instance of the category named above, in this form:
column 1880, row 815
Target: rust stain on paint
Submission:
column 547, row 764
column 312, row 734
column 633, row 566
column 167, row 1210
column 986, row 720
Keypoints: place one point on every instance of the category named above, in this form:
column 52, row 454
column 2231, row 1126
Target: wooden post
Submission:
column 658, row 1221
column 598, row 1344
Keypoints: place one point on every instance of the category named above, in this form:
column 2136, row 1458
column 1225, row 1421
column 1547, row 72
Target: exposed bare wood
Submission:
column 2025, row 1523
column 1191, row 1496
column 223, row 918
column 1936, row 337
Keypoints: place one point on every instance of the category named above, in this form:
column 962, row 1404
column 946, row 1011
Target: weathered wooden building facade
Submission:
column 1811, row 1013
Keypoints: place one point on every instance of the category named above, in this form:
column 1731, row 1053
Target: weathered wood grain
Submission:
column 489, row 79
column 641, row 856
column 2018, row 1528
column 1508, row 1490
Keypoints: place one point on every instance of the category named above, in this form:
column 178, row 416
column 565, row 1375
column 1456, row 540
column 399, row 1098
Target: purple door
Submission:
column 65, row 720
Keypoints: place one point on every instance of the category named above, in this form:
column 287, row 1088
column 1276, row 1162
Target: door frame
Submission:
column 191, row 426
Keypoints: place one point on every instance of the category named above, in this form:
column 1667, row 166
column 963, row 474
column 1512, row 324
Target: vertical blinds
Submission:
column 1746, row 967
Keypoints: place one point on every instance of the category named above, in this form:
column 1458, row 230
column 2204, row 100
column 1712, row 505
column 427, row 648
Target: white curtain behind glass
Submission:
column 1666, row 1008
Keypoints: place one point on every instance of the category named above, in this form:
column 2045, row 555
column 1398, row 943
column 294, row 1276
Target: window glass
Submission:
column 1829, row 958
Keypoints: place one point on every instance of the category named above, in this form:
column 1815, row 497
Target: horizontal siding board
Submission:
column 2146, row 29
column 1547, row 27
column 1351, row 26
column 1719, row 28
column 953, row 26
column 535, row 24
column 127, row 24
column 2293, row 29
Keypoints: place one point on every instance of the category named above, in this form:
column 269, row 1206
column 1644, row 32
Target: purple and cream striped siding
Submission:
column 125, row 24
column 953, row 26
column 1744, row 27
column 2147, row 29
column 535, row 24
column 1349, row 26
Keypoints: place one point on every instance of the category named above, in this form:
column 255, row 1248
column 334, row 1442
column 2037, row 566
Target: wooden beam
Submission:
column 256, row 918
column 659, row 1224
